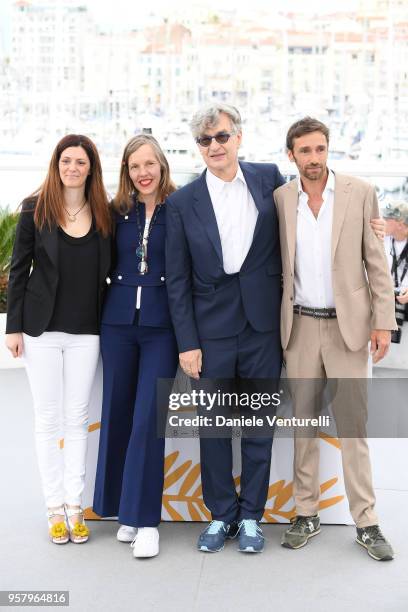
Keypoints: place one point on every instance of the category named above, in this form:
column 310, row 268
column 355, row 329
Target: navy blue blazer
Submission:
column 120, row 301
column 205, row 302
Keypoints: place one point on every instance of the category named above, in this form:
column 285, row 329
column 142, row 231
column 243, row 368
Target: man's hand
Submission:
column 403, row 296
column 191, row 362
column 378, row 225
column 380, row 343
column 14, row 343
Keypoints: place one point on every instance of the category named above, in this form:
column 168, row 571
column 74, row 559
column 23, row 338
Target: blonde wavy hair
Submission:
column 122, row 201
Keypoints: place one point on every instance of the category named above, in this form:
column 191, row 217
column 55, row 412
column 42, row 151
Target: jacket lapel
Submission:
column 205, row 211
column 290, row 212
column 104, row 256
column 50, row 241
column 253, row 180
column 342, row 191
column 204, row 208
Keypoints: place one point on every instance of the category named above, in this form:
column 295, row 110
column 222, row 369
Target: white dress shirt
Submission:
column 236, row 216
column 313, row 279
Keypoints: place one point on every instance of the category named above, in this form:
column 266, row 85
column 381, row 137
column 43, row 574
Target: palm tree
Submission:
column 8, row 222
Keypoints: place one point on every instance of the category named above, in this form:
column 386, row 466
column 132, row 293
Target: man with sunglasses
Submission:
column 224, row 287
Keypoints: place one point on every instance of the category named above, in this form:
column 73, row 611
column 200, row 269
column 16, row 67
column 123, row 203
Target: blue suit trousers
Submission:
column 250, row 354
column 129, row 477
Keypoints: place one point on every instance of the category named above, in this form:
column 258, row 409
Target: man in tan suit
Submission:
column 337, row 295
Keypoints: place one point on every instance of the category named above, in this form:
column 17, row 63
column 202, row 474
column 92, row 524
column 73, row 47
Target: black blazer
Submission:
column 33, row 277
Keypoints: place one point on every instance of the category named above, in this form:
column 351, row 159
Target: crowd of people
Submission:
column 195, row 278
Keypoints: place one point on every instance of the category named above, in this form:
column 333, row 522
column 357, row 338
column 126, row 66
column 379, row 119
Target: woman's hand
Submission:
column 403, row 296
column 378, row 225
column 15, row 344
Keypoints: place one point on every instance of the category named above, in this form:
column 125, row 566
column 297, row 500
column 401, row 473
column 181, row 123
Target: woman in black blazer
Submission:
column 58, row 272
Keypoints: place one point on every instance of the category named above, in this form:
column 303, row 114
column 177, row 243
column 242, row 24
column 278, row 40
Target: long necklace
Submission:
column 141, row 251
column 72, row 216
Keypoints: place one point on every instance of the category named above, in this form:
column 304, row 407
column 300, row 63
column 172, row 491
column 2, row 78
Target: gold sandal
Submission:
column 78, row 532
column 58, row 532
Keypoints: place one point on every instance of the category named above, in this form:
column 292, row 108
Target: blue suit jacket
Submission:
column 120, row 302
column 205, row 302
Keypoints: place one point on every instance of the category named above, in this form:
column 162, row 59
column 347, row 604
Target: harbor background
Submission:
column 110, row 72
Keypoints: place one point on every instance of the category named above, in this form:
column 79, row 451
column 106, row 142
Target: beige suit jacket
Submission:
column 362, row 284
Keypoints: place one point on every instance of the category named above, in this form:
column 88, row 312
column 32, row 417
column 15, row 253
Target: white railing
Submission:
column 19, row 180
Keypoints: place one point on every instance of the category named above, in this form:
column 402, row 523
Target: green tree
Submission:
column 8, row 223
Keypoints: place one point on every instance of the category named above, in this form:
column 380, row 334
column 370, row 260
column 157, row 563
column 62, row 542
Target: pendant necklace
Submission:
column 72, row 216
column 141, row 251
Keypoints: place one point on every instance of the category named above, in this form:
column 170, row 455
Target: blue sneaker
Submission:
column 214, row 535
column 250, row 536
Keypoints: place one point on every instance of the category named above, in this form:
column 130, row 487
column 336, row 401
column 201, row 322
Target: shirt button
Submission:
column 162, row 278
column 126, row 217
column 119, row 277
column 108, row 281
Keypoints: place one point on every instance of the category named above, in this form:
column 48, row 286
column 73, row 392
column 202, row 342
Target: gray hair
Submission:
column 209, row 116
column 400, row 210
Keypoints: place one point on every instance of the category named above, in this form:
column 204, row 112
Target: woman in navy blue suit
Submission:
column 138, row 346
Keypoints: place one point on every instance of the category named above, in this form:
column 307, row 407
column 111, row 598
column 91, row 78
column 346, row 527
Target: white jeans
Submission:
column 61, row 369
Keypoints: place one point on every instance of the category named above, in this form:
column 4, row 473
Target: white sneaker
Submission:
column 146, row 542
column 126, row 533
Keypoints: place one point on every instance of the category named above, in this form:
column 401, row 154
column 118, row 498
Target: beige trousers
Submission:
column 316, row 351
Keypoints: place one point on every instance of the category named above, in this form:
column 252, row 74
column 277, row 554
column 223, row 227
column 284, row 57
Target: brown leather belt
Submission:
column 317, row 313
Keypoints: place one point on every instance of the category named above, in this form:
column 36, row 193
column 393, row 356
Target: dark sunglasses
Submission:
column 221, row 138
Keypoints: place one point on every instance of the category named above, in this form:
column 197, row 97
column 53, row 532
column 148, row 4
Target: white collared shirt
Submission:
column 236, row 216
column 313, row 278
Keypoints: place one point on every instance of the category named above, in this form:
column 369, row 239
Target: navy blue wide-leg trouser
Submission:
column 129, row 477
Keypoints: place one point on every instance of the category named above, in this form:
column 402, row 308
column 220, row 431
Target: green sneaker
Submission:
column 373, row 540
column 303, row 528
